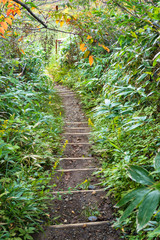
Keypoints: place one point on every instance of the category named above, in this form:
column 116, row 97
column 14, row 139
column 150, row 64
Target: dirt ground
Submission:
column 80, row 209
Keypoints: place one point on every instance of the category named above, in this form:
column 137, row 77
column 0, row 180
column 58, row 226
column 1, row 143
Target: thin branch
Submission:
column 29, row 10
column 39, row 20
column 57, row 30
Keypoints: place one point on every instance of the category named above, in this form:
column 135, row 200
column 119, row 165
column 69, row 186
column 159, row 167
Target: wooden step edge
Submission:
column 79, row 143
column 64, row 91
column 85, row 133
column 68, row 95
column 80, row 191
column 80, row 158
column 76, row 122
column 78, row 169
column 85, row 224
column 75, row 128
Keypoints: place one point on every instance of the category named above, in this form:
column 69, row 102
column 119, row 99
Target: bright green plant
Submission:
column 30, row 127
column 145, row 198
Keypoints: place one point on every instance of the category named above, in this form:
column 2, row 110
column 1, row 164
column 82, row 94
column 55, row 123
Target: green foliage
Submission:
column 146, row 199
column 120, row 93
column 29, row 142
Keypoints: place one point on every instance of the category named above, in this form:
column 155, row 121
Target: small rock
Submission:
column 91, row 187
column 92, row 218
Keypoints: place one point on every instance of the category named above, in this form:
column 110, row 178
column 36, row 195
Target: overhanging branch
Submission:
column 32, row 14
column 39, row 20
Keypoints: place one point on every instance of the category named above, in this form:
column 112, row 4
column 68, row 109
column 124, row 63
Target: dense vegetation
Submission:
column 114, row 66
column 112, row 60
column 29, row 140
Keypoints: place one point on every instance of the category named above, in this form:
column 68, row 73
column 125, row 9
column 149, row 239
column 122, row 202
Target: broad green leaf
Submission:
column 133, row 126
column 157, row 162
column 155, row 233
column 107, row 102
column 138, row 198
column 140, row 175
column 131, row 195
column 147, row 208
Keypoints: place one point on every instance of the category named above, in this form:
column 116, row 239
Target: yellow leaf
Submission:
column 22, row 51
column 106, row 48
column 57, row 21
column 9, row 21
column 90, row 60
column 82, row 47
column 61, row 23
column 89, row 37
column 18, row 12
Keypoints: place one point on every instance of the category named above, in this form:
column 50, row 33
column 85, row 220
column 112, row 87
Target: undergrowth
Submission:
column 121, row 101
column 30, row 117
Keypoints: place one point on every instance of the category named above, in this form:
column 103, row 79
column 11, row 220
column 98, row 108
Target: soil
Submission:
column 80, row 209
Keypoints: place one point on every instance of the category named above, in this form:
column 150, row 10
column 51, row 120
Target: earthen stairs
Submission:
column 81, row 210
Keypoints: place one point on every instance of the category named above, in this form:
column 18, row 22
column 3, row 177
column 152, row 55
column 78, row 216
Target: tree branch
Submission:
column 29, row 10
column 39, row 20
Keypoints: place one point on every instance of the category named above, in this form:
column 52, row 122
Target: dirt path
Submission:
column 84, row 212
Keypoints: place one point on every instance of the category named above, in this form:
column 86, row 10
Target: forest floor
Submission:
column 80, row 209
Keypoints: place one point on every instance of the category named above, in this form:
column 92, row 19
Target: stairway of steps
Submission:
column 80, row 210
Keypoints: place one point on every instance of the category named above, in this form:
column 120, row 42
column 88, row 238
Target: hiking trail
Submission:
column 83, row 212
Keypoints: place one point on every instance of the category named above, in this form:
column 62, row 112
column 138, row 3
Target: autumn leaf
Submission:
column 68, row 20
column 22, row 51
column 18, row 11
column 89, row 37
column 20, row 39
column 9, row 11
column 90, row 60
column 9, row 21
column 106, row 48
column 11, row 16
column 4, row 25
column 2, row 30
column 4, row 1
column 82, row 47
column 61, row 23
